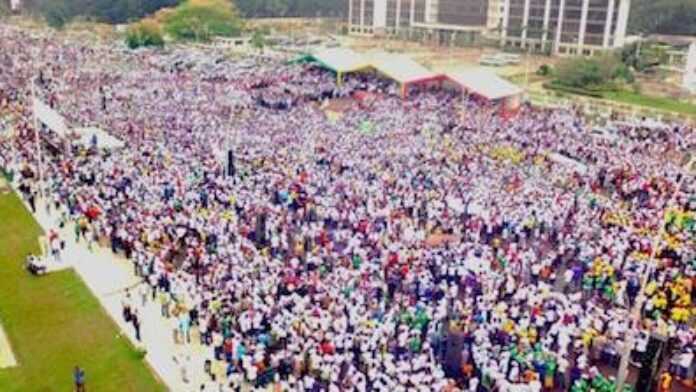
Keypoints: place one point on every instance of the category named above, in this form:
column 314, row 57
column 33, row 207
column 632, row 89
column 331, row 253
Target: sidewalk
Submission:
column 108, row 276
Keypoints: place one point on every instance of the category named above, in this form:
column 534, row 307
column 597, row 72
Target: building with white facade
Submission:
column 442, row 19
column 565, row 26
column 15, row 5
column 547, row 26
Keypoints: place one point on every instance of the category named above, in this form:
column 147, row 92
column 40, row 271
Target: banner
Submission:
column 50, row 117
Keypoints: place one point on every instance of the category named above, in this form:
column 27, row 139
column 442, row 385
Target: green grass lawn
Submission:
column 629, row 98
column 672, row 105
column 54, row 322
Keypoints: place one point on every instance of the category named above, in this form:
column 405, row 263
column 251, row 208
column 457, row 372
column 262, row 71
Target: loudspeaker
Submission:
column 230, row 163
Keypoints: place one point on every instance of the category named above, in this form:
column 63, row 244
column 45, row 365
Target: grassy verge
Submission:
column 662, row 103
column 54, row 322
column 630, row 98
column 573, row 90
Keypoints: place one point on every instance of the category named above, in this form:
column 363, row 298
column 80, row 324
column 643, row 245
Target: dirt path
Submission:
column 7, row 358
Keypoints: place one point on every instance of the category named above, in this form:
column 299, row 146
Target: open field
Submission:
column 54, row 322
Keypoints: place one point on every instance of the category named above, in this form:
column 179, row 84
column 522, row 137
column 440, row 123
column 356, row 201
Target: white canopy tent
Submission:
column 404, row 70
column 485, row 83
column 87, row 136
column 340, row 60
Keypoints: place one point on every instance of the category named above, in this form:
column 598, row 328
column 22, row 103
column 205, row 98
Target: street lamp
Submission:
column 525, row 32
column 37, row 136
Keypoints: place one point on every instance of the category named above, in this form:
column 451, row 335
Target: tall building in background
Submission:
column 550, row 26
column 441, row 20
column 565, row 26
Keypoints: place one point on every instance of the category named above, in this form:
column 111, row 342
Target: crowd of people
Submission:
column 443, row 247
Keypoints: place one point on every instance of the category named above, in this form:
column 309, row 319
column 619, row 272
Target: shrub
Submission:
column 60, row 12
column 558, row 87
column 144, row 33
column 57, row 13
column 258, row 40
column 603, row 72
column 200, row 20
column 544, row 70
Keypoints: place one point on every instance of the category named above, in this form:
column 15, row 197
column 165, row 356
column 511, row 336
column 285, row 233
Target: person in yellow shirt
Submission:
column 680, row 315
column 532, row 335
column 650, row 288
column 587, row 337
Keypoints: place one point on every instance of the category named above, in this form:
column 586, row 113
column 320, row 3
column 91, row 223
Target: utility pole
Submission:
column 39, row 155
column 525, row 32
column 451, row 45
column 638, row 48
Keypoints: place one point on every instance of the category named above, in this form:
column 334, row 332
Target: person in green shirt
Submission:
column 550, row 374
column 421, row 320
column 357, row 261
column 580, row 385
column 415, row 344
column 405, row 317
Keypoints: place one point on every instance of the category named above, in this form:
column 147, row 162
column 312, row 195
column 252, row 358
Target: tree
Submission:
column 121, row 11
column 144, row 33
column 59, row 12
column 663, row 17
column 593, row 73
column 643, row 56
column 56, row 12
column 258, row 40
column 200, row 20
column 4, row 8
column 291, row 8
column 544, row 70
column 278, row 8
